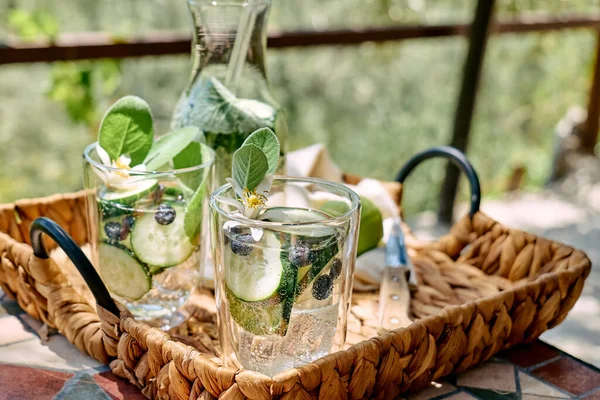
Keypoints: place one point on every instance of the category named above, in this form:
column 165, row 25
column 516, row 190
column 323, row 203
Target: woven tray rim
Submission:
column 250, row 382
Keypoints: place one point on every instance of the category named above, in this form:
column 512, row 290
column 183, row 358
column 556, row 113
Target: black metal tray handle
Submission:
column 455, row 156
column 81, row 262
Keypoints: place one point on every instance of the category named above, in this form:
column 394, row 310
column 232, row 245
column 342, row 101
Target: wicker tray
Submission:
column 482, row 288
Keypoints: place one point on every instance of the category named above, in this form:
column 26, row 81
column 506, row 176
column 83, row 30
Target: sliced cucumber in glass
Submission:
column 321, row 241
column 258, row 317
column 256, row 277
column 161, row 245
column 122, row 274
column 132, row 194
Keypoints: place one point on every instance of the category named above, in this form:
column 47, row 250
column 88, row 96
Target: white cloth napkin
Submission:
column 315, row 161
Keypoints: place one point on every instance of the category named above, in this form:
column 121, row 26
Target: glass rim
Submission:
column 254, row 223
column 240, row 3
column 92, row 147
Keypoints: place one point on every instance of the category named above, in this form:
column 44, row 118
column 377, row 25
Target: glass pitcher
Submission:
column 228, row 95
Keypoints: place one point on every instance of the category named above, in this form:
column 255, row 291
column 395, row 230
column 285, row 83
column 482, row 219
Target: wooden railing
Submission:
column 100, row 45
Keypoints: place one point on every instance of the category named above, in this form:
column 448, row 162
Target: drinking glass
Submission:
column 144, row 229
column 283, row 281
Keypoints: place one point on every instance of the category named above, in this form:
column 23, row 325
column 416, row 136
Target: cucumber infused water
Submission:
column 145, row 257
column 283, row 277
column 145, row 206
column 283, row 291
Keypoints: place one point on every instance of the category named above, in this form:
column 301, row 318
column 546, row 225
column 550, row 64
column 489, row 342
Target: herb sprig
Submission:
column 126, row 143
column 253, row 167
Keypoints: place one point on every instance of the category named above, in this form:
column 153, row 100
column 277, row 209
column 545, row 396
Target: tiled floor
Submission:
column 34, row 369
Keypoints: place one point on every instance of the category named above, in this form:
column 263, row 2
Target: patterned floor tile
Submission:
column 530, row 385
column 494, row 376
column 593, row 396
column 527, row 355
column 18, row 383
column 42, row 330
column 537, row 397
column 82, row 387
column 569, row 375
column 57, row 353
column 117, row 388
column 461, row 396
column 492, row 394
column 13, row 331
column 435, row 389
column 12, row 307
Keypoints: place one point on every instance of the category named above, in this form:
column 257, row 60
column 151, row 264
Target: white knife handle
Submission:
column 394, row 299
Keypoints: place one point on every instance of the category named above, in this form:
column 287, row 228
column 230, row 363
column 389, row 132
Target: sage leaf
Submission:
column 169, row 146
column 192, row 220
column 267, row 141
column 193, row 215
column 193, row 155
column 190, row 156
column 127, row 129
column 250, row 166
column 217, row 110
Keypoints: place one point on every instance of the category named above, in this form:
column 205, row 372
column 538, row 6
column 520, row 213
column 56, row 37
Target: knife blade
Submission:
column 394, row 294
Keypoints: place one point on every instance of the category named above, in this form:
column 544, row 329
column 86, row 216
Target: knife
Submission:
column 394, row 293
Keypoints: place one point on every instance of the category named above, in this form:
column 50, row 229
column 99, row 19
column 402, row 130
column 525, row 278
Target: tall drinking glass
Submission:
column 144, row 228
column 283, row 282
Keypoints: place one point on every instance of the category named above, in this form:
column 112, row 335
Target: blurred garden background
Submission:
column 373, row 105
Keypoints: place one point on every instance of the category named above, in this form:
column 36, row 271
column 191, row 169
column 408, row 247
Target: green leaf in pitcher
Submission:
column 193, row 214
column 127, row 129
column 169, row 146
column 220, row 111
column 250, row 166
column 267, row 141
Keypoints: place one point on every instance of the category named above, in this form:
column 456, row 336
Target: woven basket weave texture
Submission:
column 482, row 288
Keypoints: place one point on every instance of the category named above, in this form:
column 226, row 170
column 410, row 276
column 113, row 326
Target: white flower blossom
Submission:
column 251, row 202
column 120, row 179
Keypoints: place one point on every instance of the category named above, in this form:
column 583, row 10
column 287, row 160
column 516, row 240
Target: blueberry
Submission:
column 113, row 230
column 165, row 214
column 336, row 268
column 242, row 244
column 322, row 287
column 300, row 256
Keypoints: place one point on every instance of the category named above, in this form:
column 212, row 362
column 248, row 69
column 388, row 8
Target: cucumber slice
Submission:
column 112, row 210
column 132, row 194
column 261, row 288
column 122, row 274
column 161, row 245
column 256, row 277
column 322, row 240
column 297, row 216
column 258, row 317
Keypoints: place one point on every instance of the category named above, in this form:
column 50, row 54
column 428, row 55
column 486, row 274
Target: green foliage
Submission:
column 373, row 105
column 250, row 165
column 164, row 149
column 267, row 141
column 127, row 128
column 75, row 85
column 33, row 25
